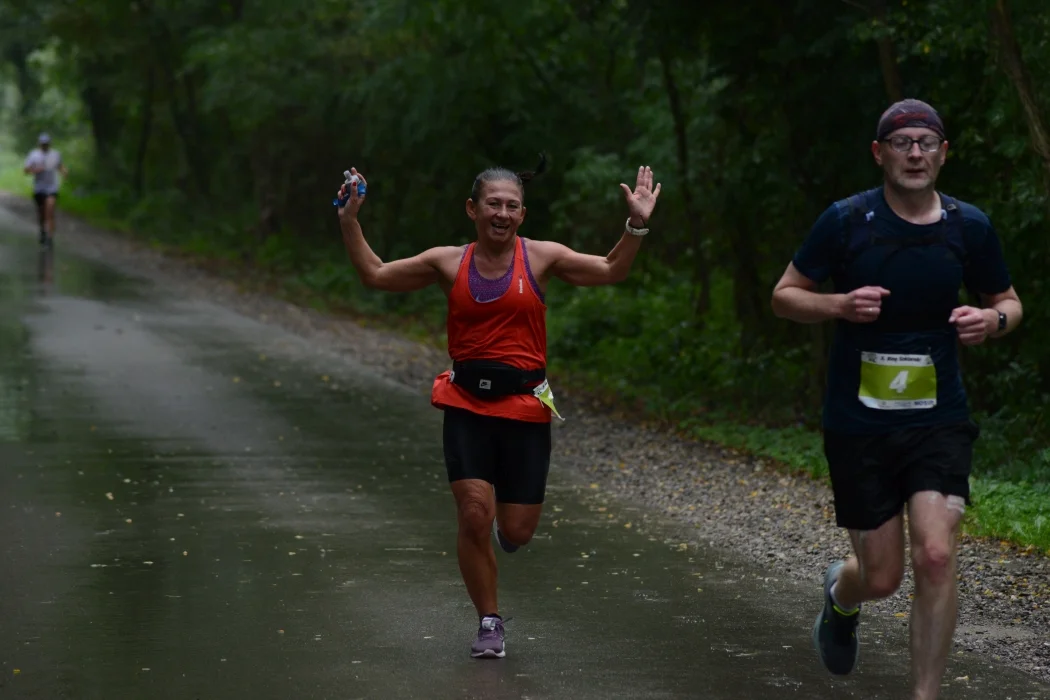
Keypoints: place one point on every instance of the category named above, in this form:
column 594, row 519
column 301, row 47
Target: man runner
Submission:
column 496, row 401
column 897, row 429
column 44, row 164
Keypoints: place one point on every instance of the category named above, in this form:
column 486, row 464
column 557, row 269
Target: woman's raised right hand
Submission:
column 353, row 205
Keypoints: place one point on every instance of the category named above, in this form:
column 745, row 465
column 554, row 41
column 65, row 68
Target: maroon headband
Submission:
column 909, row 113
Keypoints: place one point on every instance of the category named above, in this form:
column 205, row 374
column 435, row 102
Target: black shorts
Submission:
column 512, row 455
column 40, row 198
column 873, row 476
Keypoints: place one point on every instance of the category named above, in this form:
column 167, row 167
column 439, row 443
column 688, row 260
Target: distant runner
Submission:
column 497, row 403
column 897, row 429
column 45, row 164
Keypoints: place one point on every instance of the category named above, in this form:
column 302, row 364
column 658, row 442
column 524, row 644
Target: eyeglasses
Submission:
column 927, row 144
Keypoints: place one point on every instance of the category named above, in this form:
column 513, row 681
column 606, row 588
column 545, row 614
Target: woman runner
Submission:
column 496, row 401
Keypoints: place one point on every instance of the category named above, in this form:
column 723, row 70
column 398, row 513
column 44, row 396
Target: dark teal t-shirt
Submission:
column 924, row 283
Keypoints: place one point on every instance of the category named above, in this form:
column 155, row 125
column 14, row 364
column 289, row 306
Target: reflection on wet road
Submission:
column 196, row 505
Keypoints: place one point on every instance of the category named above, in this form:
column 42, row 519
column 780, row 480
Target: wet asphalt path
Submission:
column 197, row 505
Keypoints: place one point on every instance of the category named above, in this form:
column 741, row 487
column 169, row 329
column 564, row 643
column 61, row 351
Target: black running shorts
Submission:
column 873, row 476
column 512, row 455
column 40, row 198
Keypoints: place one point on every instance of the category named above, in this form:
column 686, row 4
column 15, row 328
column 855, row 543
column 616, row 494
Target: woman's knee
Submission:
column 518, row 532
column 476, row 515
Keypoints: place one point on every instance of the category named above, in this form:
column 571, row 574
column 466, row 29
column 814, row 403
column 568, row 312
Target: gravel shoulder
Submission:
column 726, row 499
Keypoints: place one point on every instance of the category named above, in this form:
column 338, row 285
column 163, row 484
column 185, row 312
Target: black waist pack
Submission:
column 488, row 379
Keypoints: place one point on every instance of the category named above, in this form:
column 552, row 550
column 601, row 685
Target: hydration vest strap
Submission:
column 489, row 379
column 859, row 234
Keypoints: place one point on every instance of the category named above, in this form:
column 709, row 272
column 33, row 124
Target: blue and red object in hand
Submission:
column 350, row 181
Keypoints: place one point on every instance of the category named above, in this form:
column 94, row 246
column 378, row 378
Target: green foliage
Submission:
column 796, row 447
column 644, row 340
column 1014, row 511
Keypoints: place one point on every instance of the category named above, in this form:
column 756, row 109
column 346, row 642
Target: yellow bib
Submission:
column 893, row 382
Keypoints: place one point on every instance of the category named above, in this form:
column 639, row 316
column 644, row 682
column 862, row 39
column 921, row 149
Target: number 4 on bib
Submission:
column 900, row 382
column 893, row 382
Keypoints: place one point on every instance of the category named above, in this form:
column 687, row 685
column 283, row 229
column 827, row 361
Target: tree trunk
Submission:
column 891, row 74
column 144, row 133
column 183, row 116
column 746, row 285
column 184, row 127
column 703, row 271
column 105, row 118
column 1013, row 64
column 27, row 84
column 266, row 192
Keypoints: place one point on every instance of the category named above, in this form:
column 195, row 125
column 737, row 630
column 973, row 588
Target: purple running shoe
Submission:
column 489, row 643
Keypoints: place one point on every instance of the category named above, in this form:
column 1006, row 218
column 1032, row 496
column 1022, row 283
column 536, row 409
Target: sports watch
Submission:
column 1002, row 321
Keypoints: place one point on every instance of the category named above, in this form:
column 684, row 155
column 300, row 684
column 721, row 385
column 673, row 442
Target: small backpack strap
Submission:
column 954, row 233
column 856, row 235
column 955, row 238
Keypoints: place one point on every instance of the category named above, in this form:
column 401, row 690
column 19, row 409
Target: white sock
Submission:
column 835, row 600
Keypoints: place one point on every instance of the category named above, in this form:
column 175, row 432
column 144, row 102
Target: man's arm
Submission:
column 1010, row 304
column 988, row 272
column 795, row 298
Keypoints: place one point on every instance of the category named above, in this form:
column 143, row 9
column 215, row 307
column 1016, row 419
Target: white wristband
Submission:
column 634, row 231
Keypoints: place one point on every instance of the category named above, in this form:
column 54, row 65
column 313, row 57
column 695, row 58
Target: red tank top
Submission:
column 511, row 329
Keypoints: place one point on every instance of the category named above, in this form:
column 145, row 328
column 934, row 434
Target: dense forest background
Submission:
column 222, row 128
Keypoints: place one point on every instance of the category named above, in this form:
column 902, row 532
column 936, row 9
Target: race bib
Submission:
column 893, row 382
column 546, row 396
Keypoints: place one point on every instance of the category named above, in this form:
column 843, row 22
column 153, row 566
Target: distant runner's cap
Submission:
column 909, row 113
column 43, row 138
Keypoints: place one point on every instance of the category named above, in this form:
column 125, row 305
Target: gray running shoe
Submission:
column 835, row 632
column 504, row 543
column 489, row 642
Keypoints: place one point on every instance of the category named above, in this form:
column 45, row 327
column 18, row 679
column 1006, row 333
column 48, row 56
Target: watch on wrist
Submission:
column 1002, row 322
column 634, row 231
